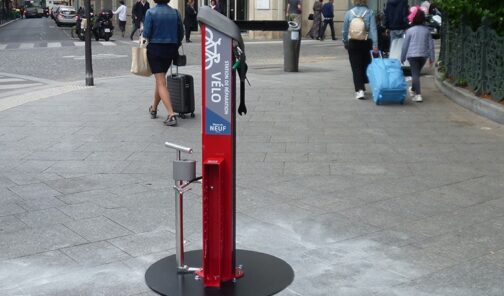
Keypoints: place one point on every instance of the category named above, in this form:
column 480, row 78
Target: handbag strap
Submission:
column 142, row 42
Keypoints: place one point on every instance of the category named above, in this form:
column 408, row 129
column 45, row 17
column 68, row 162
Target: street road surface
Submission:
column 37, row 48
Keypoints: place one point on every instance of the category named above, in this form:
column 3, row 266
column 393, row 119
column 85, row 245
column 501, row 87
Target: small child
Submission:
column 418, row 46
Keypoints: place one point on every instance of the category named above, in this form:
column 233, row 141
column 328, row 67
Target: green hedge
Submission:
column 474, row 11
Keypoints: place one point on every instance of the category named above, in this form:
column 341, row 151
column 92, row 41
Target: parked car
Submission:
column 31, row 12
column 66, row 16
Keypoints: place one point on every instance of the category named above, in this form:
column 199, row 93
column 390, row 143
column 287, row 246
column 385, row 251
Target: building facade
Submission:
column 255, row 10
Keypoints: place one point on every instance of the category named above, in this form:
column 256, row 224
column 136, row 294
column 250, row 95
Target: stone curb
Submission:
column 5, row 24
column 485, row 108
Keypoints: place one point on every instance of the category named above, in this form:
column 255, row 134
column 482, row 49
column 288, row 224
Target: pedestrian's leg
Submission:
column 163, row 93
column 322, row 31
column 331, row 26
column 187, row 33
column 356, row 64
column 415, row 74
column 157, row 98
column 366, row 58
column 134, row 30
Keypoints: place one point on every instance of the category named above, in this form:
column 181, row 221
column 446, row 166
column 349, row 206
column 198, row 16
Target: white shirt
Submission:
column 121, row 10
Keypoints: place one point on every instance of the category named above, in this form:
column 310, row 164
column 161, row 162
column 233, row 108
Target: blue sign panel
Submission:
column 218, row 82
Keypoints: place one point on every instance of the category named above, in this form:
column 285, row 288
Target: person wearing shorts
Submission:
column 164, row 31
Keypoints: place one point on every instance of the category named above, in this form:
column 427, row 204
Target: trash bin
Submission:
column 291, row 47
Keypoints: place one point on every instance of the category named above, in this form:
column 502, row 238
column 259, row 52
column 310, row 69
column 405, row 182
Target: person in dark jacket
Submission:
column 190, row 22
column 327, row 16
column 396, row 18
column 138, row 15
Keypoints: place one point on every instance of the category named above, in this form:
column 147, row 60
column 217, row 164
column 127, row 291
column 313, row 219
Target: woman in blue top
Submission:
column 164, row 31
column 360, row 43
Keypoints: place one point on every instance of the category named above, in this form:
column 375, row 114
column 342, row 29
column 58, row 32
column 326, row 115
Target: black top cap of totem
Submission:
column 221, row 23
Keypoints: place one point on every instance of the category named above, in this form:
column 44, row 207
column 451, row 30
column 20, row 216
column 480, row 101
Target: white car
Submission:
column 65, row 16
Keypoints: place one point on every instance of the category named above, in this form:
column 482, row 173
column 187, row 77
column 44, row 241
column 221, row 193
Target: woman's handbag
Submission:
column 310, row 17
column 139, row 63
column 181, row 59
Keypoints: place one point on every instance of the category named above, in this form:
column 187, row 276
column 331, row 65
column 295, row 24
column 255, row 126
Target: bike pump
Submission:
column 219, row 269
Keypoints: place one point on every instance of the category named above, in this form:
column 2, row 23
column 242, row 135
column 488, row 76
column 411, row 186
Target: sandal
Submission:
column 171, row 121
column 153, row 113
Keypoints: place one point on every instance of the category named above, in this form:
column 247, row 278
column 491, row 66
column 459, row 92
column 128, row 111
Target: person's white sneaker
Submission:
column 417, row 98
column 360, row 95
column 411, row 92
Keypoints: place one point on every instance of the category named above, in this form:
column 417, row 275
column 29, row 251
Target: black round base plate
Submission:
column 264, row 275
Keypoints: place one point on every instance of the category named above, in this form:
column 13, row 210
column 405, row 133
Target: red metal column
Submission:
column 218, row 158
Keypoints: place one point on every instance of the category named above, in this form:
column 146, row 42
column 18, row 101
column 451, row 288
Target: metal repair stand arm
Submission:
column 184, row 173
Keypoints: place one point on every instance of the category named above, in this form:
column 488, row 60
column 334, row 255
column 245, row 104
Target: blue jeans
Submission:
column 396, row 34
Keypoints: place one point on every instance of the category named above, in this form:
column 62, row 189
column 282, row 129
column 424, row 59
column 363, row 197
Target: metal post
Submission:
column 88, row 56
column 179, row 221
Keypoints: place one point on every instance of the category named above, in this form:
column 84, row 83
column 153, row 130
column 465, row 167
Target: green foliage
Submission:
column 474, row 11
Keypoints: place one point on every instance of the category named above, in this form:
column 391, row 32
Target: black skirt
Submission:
column 161, row 56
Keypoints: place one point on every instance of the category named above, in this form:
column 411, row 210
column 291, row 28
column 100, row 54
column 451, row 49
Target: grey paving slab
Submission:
column 82, row 210
column 34, row 191
column 10, row 208
column 40, row 203
column 10, row 224
column 90, row 182
column 145, row 243
column 44, row 217
column 473, row 277
column 37, row 240
column 96, row 229
column 453, row 221
column 24, row 178
column 98, row 197
column 470, row 242
column 97, row 253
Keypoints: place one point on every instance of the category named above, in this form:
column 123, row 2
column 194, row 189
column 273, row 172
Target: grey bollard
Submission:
column 291, row 47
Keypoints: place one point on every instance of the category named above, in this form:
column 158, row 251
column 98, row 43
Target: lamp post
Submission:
column 89, row 62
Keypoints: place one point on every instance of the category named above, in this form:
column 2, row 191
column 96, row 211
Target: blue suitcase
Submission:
column 387, row 81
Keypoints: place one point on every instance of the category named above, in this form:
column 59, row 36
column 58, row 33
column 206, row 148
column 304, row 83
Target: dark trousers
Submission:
column 416, row 65
column 122, row 27
column 322, row 31
column 187, row 33
column 360, row 57
column 136, row 26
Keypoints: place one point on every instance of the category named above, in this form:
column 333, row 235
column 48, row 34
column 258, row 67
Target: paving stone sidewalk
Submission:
column 359, row 199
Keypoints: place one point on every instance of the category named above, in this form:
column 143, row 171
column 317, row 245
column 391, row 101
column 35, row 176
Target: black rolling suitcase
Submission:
column 181, row 87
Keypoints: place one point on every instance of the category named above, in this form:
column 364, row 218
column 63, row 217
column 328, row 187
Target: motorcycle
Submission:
column 81, row 25
column 433, row 18
column 434, row 21
column 103, row 28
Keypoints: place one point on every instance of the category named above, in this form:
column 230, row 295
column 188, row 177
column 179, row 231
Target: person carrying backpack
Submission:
column 359, row 37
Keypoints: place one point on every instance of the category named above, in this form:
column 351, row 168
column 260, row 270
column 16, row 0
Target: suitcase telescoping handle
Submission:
column 379, row 54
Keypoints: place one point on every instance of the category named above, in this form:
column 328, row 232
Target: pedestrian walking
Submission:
column 121, row 15
column 293, row 11
column 359, row 37
column 317, row 20
column 215, row 5
column 190, row 21
column 138, row 14
column 328, row 17
column 164, row 31
column 418, row 46
column 396, row 18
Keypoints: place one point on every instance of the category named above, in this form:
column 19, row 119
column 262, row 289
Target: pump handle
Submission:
column 178, row 147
